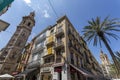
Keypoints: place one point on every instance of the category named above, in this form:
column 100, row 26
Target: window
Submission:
column 41, row 44
column 29, row 24
column 59, row 39
column 86, row 57
column 59, row 29
column 13, row 55
column 49, row 59
column 5, row 53
column 77, row 61
column 23, row 34
column 19, row 43
column 23, row 21
column 35, row 57
column 7, row 68
column 81, row 62
column 52, row 31
column 72, row 58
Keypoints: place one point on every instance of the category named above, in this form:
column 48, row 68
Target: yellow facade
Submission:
column 50, row 49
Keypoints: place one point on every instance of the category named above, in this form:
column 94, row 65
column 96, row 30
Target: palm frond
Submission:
column 97, row 28
column 112, row 35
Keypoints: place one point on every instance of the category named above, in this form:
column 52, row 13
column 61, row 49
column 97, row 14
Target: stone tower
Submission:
column 105, row 64
column 104, row 58
column 10, row 55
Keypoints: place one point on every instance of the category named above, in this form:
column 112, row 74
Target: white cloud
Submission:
column 46, row 14
column 28, row 2
column 43, row 10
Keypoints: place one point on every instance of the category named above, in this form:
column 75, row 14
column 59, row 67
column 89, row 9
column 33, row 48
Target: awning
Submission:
column 82, row 71
column 28, row 71
column 6, row 76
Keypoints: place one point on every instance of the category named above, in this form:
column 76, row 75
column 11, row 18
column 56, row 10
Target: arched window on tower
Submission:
column 19, row 43
column 23, row 34
column 23, row 21
column 29, row 24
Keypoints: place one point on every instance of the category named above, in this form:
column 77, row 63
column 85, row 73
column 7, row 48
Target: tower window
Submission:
column 23, row 22
column 19, row 43
column 29, row 24
column 23, row 34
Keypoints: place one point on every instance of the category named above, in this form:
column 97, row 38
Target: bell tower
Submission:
column 104, row 58
column 105, row 64
column 11, row 54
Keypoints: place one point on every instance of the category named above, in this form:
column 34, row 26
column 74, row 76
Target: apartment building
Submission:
column 60, row 53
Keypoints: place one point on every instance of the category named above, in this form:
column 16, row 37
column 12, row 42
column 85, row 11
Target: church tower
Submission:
column 104, row 58
column 105, row 64
column 11, row 54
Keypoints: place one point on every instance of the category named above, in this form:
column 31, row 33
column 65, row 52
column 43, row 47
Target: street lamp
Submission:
column 3, row 25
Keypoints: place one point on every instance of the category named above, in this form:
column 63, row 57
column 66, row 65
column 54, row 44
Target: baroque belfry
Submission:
column 10, row 55
column 105, row 64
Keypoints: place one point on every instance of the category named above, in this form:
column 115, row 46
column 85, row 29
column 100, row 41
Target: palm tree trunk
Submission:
column 111, row 53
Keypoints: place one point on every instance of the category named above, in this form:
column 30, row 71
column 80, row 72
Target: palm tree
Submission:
column 98, row 31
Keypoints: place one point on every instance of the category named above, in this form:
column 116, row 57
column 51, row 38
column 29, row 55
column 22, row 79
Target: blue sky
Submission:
column 78, row 11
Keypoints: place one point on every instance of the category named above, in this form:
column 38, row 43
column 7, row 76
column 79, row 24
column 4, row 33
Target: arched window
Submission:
column 19, row 43
column 23, row 34
column 29, row 24
column 23, row 21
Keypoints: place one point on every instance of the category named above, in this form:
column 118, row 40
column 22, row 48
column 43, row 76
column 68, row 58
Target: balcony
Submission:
column 50, row 50
column 2, row 60
column 59, row 45
column 58, row 59
column 48, row 59
column 34, row 64
column 50, row 40
column 59, row 32
column 70, row 44
column 39, row 48
column 41, row 38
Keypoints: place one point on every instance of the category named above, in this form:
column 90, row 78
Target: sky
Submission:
column 78, row 12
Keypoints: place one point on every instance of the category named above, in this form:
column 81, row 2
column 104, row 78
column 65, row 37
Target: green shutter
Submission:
column 4, row 3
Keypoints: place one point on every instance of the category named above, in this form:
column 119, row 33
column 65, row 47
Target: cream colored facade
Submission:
column 62, row 54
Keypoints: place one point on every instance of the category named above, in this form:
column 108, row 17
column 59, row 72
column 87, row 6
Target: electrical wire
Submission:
column 53, row 8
